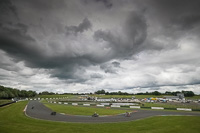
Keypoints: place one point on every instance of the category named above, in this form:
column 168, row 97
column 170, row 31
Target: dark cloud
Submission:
column 85, row 25
column 107, row 69
column 174, row 14
column 22, row 47
column 155, row 88
column 72, row 73
column 96, row 75
column 68, row 38
column 107, row 3
column 135, row 32
column 17, row 42
column 116, row 64
column 188, row 22
column 43, row 5
column 7, row 9
column 136, row 28
column 110, row 68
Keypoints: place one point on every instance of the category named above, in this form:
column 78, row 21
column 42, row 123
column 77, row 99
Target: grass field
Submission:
column 140, row 96
column 168, row 105
column 193, row 98
column 77, row 110
column 100, row 96
column 112, row 96
column 13, row 120
column 56, row 96
column 126, row 96
column 4, row 101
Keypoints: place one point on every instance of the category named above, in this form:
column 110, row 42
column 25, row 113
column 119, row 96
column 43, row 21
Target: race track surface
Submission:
column 42, row 112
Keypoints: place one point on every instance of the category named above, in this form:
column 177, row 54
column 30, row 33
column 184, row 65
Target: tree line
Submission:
column 8, row 93
column 47, row 93
column 186, row 93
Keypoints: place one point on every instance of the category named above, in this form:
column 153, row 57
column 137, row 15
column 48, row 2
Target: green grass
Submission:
column 193, row 98
column 2, row 101
column 141, row 96
column 56, row 96
column 127, row 96
column 112, row 96
column 149, row 96
column 13, row 120
column 77, row 110
column 168, row 105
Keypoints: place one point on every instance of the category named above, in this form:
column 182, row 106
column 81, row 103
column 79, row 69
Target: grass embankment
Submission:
column 127, row 96
column 172, row 105
column 2, row 101
column 168, row 105
column 56, row 96
column 13, row 120
column 112, row 96
column 141, row 96
column 77, row 110
column 193, row 98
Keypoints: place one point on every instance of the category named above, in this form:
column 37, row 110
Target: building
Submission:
column 180, row 96
column 171, row 97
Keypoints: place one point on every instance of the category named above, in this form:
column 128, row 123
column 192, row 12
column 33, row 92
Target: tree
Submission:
column 8, row 93
column 3, row 95
column 156, row 93
column 46, row 93
column 188, row 93
column 100, row 92
column 168, row 93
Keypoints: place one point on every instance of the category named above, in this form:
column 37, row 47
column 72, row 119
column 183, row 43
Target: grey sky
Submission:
column 87, row 45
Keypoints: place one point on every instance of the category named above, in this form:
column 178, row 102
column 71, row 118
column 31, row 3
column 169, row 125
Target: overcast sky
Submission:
column 86, row 45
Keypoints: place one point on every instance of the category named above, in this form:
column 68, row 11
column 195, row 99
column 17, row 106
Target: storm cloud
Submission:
column 85, row 25
column 83, row 46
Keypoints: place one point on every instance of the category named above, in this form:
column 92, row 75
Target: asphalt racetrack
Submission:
column 42, row 112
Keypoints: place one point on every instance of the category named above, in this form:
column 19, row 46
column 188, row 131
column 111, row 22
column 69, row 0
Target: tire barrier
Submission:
column 184, row 109
column 157, row 108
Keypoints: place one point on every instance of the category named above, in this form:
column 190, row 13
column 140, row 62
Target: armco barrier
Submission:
column 184, row 109
column 105, row 103
column 170, row 108
column 124, row 106
column 195, row 109
column 136, row 107
column 115, row 106
column 86, row 104
column 98, row 105
column 146, row 107
column 74, row 104
column 157, row 108
column 7, row 103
